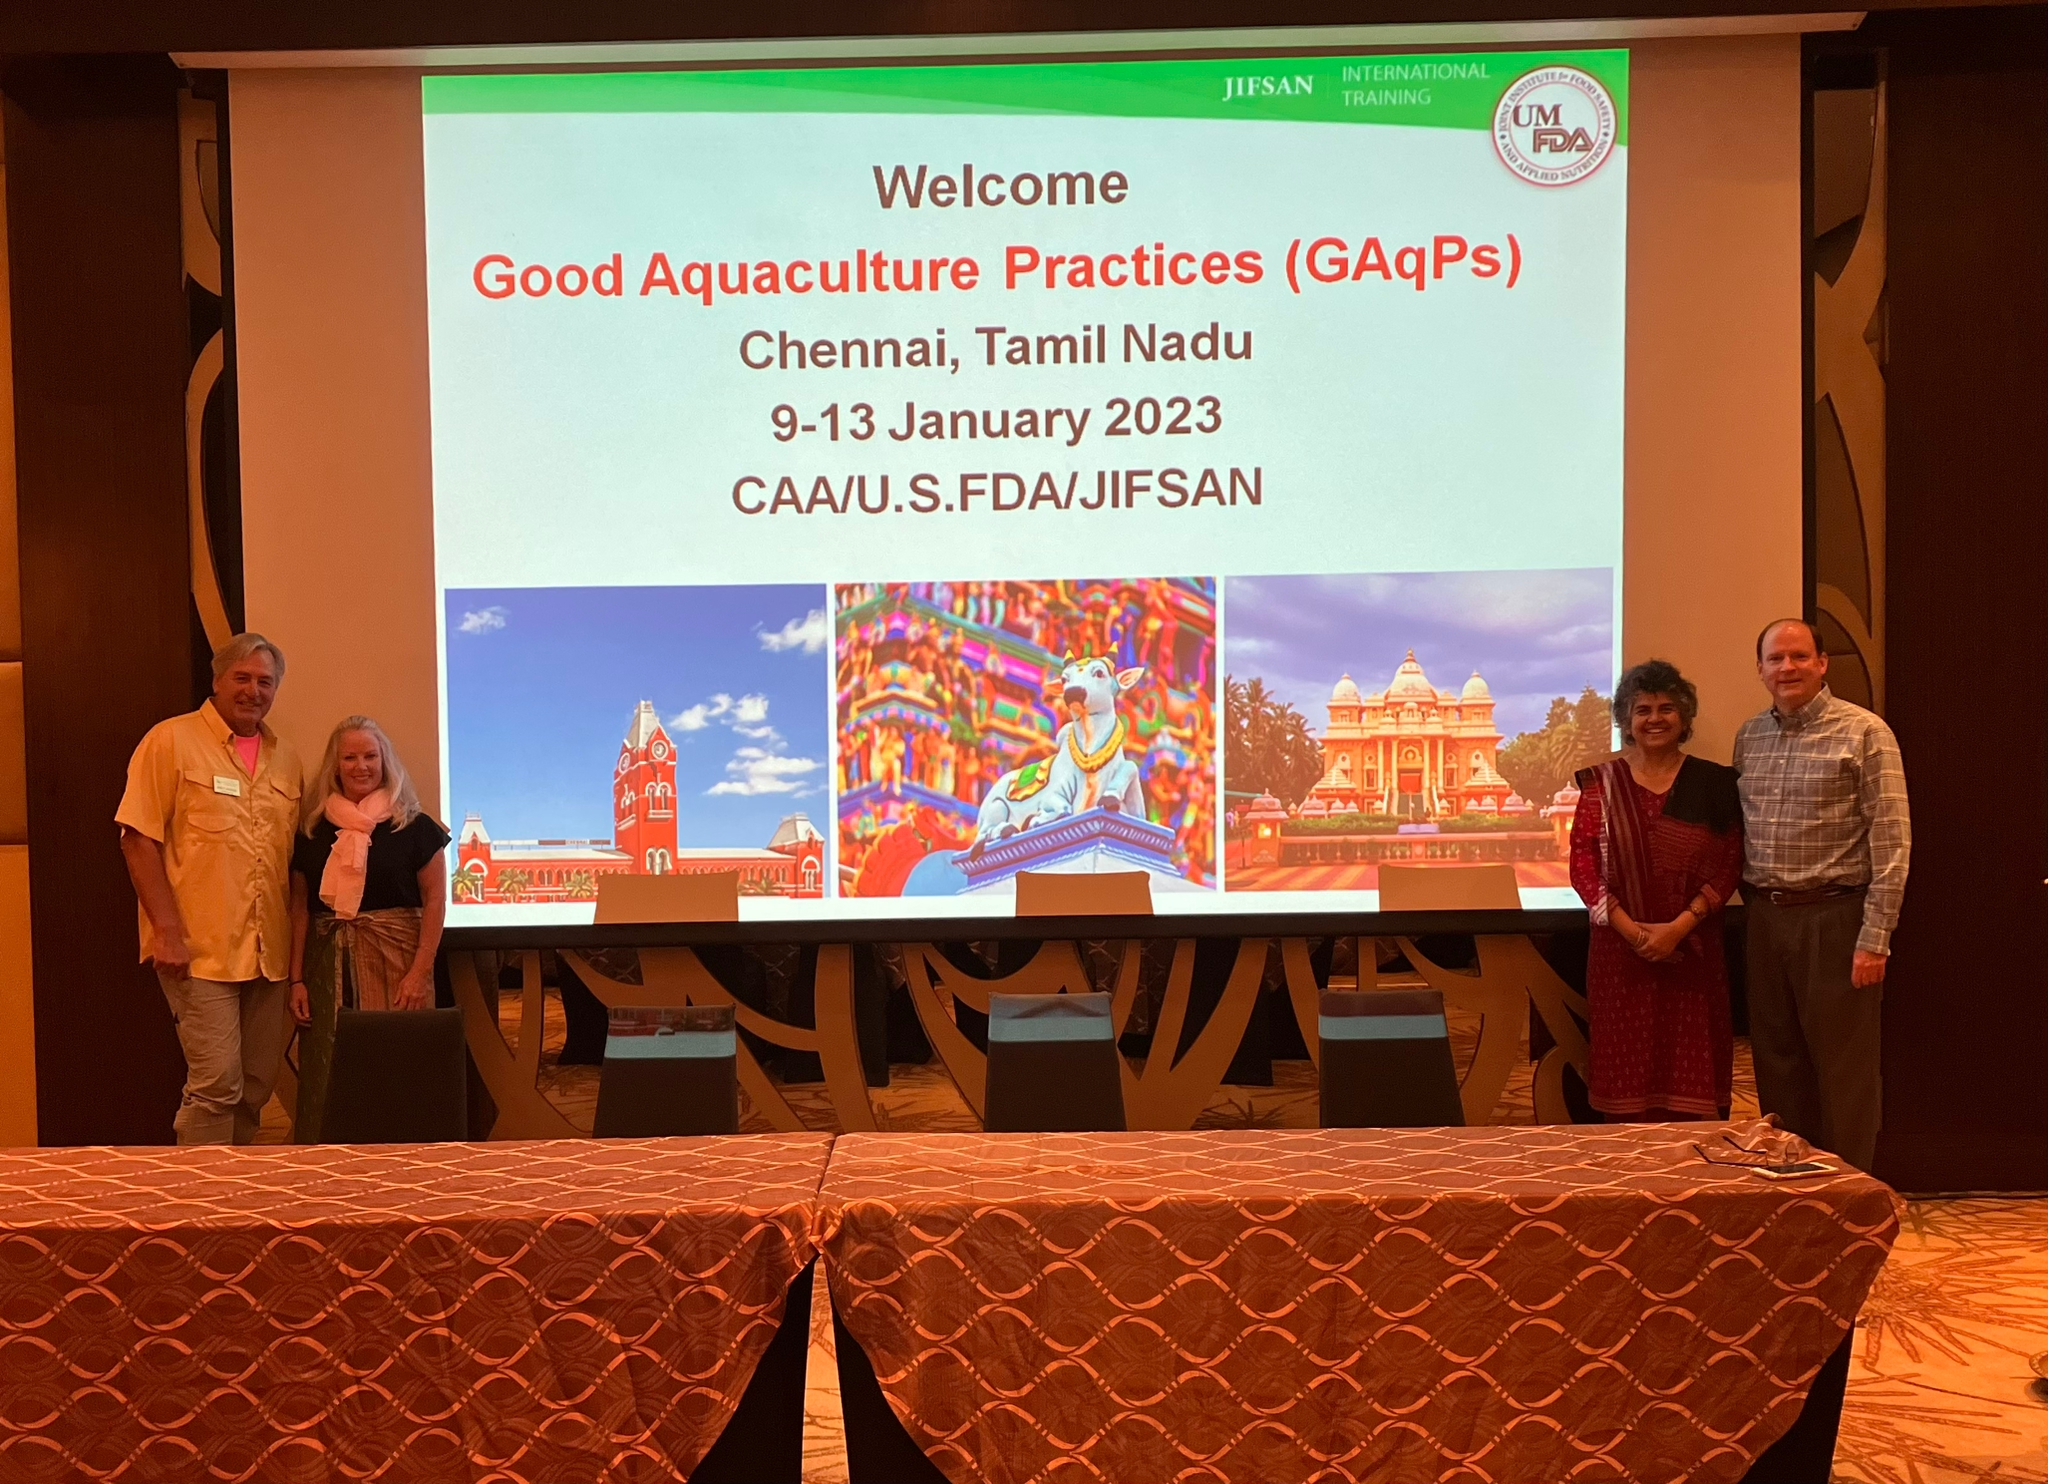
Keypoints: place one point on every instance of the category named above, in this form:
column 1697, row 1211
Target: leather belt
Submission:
column 1806, row 898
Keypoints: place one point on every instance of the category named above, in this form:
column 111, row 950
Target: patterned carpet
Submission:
column 1952, row 1351
column 1949, row 1384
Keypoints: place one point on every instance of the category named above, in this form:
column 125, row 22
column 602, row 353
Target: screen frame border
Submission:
column 1491, row 922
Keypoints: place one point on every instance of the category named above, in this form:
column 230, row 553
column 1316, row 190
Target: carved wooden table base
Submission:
column 1163, row 1092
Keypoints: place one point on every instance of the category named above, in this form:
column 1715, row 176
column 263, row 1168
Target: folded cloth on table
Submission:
column 1758, row 1141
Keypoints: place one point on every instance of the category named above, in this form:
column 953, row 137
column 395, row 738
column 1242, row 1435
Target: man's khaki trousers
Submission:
column 234, row 1037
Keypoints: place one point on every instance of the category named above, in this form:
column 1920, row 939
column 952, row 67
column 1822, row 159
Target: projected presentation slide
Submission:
column 882, row 481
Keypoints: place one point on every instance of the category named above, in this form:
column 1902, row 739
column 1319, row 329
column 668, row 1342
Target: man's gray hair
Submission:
column 240, row 648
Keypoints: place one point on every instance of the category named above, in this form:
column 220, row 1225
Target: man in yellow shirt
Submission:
column 206, row 828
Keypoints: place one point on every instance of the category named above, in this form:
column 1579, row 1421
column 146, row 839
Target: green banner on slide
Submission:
column 1450, row 91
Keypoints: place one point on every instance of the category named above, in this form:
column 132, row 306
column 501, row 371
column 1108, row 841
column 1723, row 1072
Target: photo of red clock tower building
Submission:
column 644, row 841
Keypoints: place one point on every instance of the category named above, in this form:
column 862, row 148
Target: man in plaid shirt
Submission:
column 1826, row 841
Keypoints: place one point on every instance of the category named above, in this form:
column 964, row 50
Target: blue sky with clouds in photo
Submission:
column 1531, row 635
column 542, row 684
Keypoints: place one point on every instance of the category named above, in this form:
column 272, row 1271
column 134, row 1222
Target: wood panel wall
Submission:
column 17, row 1009
column 1966, row 1010
column 99, row 341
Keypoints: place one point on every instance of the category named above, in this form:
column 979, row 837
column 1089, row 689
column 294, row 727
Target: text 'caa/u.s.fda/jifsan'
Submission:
column 1000, row 492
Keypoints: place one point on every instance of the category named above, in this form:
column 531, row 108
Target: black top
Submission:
column 392, row 877
column 1703, row 793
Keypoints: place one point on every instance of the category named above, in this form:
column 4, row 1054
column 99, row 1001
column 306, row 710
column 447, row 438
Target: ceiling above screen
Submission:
column 1100, row 43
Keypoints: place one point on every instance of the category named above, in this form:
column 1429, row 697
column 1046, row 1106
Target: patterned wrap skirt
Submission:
column 356, row 963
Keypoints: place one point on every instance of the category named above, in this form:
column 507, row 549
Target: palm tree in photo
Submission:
column 1576, row 734
column 1268, row 747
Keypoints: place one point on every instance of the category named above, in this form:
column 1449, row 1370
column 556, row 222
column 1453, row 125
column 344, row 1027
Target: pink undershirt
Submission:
column 249, row 749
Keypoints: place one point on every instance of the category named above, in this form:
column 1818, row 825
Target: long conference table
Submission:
column 1446, row 1304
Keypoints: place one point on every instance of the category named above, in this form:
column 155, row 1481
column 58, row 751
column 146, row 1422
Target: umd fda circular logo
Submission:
column 1554, row 126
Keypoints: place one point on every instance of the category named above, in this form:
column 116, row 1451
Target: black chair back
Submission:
column 1052, row 1065
column 669, row 1073
column 1386, row 1060
column 399, row 1077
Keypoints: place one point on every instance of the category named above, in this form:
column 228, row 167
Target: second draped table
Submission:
column 1440, row 1304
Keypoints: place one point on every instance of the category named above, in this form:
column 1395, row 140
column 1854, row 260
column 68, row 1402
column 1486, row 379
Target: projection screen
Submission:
column 882, row 481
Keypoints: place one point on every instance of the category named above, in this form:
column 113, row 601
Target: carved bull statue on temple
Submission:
column 1087, row 767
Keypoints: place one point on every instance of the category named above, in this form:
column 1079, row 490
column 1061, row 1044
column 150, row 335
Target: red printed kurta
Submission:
column 1660, row 1033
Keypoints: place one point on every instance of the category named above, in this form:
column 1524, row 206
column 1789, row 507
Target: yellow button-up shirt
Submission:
column 227, row 839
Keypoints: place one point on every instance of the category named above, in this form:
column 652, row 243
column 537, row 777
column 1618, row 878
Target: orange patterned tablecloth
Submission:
column 1508, row 1305
column 554, row 1312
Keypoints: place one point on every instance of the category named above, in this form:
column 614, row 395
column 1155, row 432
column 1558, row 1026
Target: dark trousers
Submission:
column 1816, row 1036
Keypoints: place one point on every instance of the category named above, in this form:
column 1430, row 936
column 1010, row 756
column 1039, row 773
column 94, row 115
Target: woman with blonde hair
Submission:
column 369, row 896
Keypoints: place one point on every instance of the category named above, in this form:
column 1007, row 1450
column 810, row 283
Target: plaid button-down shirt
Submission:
column 1824, row 804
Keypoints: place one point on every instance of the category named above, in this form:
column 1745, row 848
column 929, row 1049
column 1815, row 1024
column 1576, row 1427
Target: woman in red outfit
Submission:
column 1656, row 851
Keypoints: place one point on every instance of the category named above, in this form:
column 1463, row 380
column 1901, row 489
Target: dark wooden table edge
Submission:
column 1510, row 922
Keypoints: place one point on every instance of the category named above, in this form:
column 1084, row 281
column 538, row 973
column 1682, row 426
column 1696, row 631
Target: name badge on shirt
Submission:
column 222, row 784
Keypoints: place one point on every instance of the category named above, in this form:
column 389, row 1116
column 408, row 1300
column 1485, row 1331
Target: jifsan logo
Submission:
column 1268, row 85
